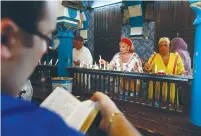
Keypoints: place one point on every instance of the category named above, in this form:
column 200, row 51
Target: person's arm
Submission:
column 90, row 58
column 87, row 57
column 75, row 62
column 140, row 65
column 113, row 61
column 137, row 67
column 113, row 121
column 186, row 61
column 180, row 66
column 150, row 63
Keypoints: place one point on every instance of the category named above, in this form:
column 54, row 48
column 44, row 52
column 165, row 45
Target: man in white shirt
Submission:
column 81, row 53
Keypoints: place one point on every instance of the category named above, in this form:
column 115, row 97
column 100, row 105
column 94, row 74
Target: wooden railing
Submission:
column 160, row 91
column 41, row 81
column 142, row 112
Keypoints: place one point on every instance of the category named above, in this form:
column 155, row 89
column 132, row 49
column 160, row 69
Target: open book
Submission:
column 78, row 115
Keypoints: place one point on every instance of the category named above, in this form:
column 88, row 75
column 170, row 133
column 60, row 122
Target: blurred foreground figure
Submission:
column 26, row 28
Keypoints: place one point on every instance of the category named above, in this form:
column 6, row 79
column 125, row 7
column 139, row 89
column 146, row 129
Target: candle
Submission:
column 44, row 62
column 50, row 63
column 100, row 61
column 96, row 66
column 39, row 62
column 108, row 66
column 83, row 64
column 104, row 65
column 156, row 69
column 56, row 62
column 80, row 64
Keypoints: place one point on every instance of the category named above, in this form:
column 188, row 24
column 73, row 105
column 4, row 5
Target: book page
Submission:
column 61, row 102
column 82, row 112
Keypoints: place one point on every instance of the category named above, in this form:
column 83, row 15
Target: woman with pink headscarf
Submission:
column 179, row 45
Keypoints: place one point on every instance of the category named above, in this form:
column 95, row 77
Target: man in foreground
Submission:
column 24, row 39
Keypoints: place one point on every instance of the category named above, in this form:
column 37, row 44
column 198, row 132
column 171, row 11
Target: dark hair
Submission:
column 24, row 13
column 78, row 38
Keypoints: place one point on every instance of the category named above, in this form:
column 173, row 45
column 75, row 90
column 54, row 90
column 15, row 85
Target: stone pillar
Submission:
column 195, row 116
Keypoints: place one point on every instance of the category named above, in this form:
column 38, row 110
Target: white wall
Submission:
column 63, row 11
column 98, row 3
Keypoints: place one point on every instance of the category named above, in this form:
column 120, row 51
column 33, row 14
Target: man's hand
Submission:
column 147, row 67
column 107, row 108
column 102, row 61
column 76, row 63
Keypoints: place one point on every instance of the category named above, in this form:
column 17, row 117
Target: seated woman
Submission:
column 168, row 63
column 179, row 45
column 128, row 61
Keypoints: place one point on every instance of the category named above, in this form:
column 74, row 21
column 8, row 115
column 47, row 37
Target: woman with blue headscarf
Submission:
column 179, row 45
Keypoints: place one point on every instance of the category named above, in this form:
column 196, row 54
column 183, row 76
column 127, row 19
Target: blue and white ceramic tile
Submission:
column 125, row 32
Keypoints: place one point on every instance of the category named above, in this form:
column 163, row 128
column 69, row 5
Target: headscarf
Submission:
column 180, row 46
column 164, row 39
column 129, row 43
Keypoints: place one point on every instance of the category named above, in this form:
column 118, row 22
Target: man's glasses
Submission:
column 52, row 43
